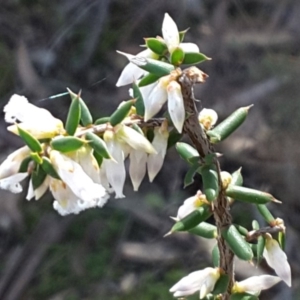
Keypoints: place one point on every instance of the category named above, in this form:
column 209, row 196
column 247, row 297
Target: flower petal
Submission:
column 277, row 259
column 137, row 167
column 170, row 33
column 176, row 105
column 189, row 47
column 160, row 143
column 12, row 183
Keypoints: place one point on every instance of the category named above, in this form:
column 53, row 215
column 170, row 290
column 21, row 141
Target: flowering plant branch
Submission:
column 82, row 162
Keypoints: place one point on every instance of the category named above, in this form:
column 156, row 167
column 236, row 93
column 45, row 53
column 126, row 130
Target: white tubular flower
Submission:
column 89, row 193
column 137, row 167
column 175, row 105
column 114, row 169
column 135, row 140
column 9, row 177
column 277, row 259
column 40, row 191
column 190, row 204
column 37, row 121
column 255, row 284
column 160, row 143
column 207, row 118
column 225, row 179
column 203, row 281
column 171, row 36
column 132, row 72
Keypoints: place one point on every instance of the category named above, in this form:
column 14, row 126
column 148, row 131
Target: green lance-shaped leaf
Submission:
column 193, row 219
column 266, row 214
column 98, row 144
column 38, row 176
column 249, row 195
column 281, row 239
column 73, row 117
column 174, row 137
column 237, row 243
column 48, row 168
column 139, row 104
column 221, row 285
column 85, row 116
column 102, row 120
column 189, row 176
column 36, row 157
column 137, row 128
column 229, row 125
column 191, row 58
column 67, row 143
column 98, row 158
column 120, row 114
column 186, row 151
column 260, row 242
column 182, row 34
column 157, row 46
column 153, row 66
column 243, row 296
column 177, row 56
column 205, row 230
column 25, row 164
column 242, row 230
column 216, row 256
column 237, row 178
column 148, row 79
column 210, row 182
column 33, row 144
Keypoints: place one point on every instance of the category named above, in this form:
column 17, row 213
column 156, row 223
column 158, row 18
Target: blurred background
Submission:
column 119, row 252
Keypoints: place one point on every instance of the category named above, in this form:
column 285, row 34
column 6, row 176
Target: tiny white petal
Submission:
column 170, row 33
column 30, row 192
column 277, row 259
column 190, row 204
column 133, row 138
column 189, row 47
column 41, row 190
column 132, row 72
column 160, row 143
column 12, row 183
column 256, row 283
column 176, row 105
column 208, row 118
column 137, row 167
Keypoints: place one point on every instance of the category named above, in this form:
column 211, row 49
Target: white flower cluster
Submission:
column 205, row 280
column 81, row 183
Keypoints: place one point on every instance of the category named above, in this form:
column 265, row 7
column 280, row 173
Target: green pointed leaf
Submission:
column 139, row 104
column 242, row 230
column 186, row 151
column 157, row 46
column 237, row 178
column 189, row 176
column 102, row 120
column 30, row 140
column 229, row 125
column 237, row 243
column 150, row 134
column 193, row 219
column 264, row 211
column 36, row 157
column 148, row 79
column 260, row 248
column 121, row 113
column 37, row 177
column 281, row 239
column 153, row 66
column 177, row 56
column 182, row 34
column 243, row 296
column 25, row 165
column 74, row 115
column 137, row 128
column 98, row 145
column 216, row 256
column 221, row 285
column 192, row 58
column 48, row 168
column 210, row 182
column 98, row 158
column 67, row 143
column 174, row 137
column 249, row 195
column 205, row 230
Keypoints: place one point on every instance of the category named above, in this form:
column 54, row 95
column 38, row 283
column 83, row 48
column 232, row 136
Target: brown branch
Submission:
column 255, row 234
column 201, row 142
